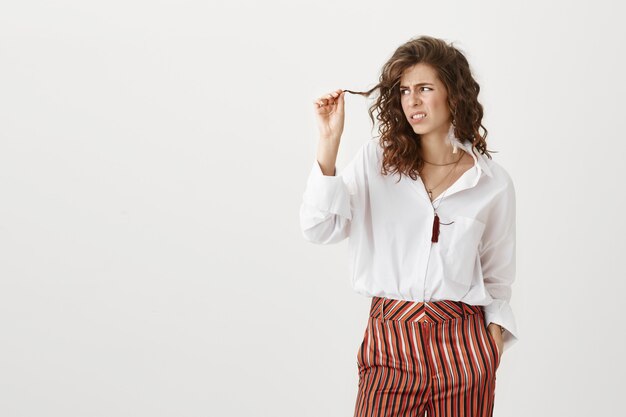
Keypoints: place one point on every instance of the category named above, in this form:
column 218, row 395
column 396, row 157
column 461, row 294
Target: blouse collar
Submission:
column 479, row 159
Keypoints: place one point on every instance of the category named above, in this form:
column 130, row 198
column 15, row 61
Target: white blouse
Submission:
column 390, row 227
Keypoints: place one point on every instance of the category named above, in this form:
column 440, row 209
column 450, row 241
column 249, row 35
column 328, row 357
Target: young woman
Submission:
column 430, row 219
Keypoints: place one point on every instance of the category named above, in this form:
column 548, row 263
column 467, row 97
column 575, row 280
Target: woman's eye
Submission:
column 406, row 91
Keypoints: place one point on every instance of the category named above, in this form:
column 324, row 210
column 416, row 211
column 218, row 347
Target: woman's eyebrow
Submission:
column 417, row 85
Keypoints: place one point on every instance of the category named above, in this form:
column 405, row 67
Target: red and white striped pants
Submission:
column 436, row 357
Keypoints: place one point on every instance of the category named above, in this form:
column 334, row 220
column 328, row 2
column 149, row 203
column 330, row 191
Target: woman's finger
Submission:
column 341, row 101
column 329, row 98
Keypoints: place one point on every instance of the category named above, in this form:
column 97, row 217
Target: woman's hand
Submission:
column 329, row 111
column 495, row 331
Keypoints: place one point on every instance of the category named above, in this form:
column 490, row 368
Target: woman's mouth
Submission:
column 417, row 117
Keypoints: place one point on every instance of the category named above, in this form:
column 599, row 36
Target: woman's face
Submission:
column 422, row 92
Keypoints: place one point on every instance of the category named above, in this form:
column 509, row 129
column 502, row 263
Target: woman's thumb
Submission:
column 340, row 101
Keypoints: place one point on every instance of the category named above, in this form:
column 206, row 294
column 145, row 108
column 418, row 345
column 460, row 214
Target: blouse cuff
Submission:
column 327, row 193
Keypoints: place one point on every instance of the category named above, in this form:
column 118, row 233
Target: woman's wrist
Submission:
column 502, row 329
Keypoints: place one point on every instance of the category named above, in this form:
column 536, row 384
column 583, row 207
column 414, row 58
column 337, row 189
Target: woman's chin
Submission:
column 420, row 130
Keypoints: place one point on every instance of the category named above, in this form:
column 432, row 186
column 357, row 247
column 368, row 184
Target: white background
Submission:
column 153, row 156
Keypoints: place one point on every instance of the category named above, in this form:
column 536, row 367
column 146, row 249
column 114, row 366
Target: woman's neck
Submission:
column 437, row 150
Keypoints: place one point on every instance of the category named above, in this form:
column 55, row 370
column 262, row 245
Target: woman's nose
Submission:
column 414, row 99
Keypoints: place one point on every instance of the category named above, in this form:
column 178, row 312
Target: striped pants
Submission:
column 433, row 357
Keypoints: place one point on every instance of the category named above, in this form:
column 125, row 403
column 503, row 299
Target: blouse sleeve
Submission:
column 498, row 256
column 327, row 203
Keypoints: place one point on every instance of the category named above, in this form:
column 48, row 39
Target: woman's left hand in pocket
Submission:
column 495, row 331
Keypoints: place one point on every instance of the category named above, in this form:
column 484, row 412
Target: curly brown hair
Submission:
column 402, row 152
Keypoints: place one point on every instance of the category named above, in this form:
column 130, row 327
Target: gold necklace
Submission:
column 430, row 190
column 439, row 165
column 435, row 233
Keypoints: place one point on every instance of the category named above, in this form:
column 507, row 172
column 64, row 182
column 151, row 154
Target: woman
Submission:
column 435, row 248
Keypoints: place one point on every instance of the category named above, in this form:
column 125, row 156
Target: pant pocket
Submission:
column 494, row 344
column 360, row 356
